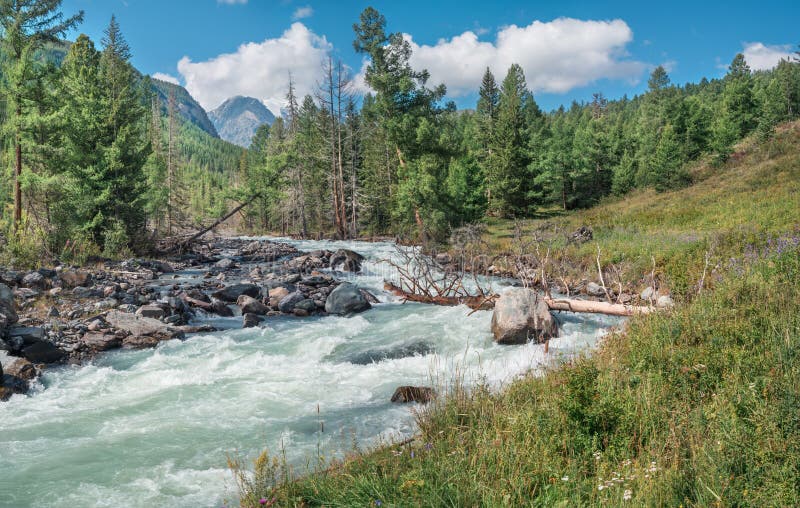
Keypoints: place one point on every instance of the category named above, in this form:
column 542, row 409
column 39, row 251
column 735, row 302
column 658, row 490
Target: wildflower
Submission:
column 262, row 501
column 428, row 446
column 378, row 502
column 412, row 454
column 627, row 495
column 600, row 487
column 565, row 478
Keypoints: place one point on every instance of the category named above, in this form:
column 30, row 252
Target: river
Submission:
column 153, row 427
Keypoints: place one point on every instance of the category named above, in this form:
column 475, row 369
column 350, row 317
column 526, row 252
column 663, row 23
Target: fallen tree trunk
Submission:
column 217, row 222
column 487, row 303
column 611, row 309
column 473, row 302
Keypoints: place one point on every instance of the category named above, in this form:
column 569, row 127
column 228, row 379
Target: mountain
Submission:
column 237, row 119
column 189, row 108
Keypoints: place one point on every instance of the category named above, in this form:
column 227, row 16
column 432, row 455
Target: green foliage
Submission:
column 693, row 407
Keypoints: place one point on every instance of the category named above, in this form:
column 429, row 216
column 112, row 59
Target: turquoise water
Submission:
column 154, row 427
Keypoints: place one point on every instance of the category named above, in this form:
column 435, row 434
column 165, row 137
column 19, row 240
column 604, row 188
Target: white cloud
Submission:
column 166, row 77
column 556, row 56
column 303, row 12
column 259, row 69
column 231, row 2
column 761, row 57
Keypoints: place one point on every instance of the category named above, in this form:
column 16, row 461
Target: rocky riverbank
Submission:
column 70, row 315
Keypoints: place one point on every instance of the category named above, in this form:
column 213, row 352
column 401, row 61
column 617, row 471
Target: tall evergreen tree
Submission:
column 508, row 163
column 26, row 25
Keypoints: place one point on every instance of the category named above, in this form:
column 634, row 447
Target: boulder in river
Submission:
column 346, row 299
column 288, row 302
column 251, row 320
column 520, row 315
column 232, row 293
column 139, row 326
column 225, row 264
column 250, row 305
column 101, row 341
column 19, row 372
column 346, row 260
column 422, row 394
column 220, row 308
column 151, row 311
column 43, row 352
column 8, row 315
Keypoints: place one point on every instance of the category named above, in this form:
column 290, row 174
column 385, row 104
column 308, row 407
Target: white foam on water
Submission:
column 153, row 427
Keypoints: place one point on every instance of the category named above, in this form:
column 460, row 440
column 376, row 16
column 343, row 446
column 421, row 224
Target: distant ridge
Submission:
column 238, row 118
column 189, row 108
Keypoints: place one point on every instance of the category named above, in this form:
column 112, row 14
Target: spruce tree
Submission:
column 26, row 26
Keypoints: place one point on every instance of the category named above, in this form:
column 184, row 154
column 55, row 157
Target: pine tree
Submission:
column 27, row 25
column 508, row 162
column 668, row 162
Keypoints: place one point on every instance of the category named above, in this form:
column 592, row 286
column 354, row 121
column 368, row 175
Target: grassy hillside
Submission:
column 754, row 197
column 693, row 407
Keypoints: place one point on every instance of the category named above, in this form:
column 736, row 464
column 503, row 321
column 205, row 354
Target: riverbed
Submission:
column 154, row 427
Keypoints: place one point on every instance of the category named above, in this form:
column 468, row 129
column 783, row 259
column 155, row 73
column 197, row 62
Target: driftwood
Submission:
column 487, row 302
column 473, row 302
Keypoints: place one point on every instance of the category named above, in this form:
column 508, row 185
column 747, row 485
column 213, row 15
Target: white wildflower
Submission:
column 627, row 495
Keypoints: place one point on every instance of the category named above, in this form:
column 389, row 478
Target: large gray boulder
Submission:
column 288, row 302
column 520, row 315
column 139, row 326
column 43, row 352
column 232, row 293
column 250, row 305
column 346, row 260
column 8, row 315
column 346, row 299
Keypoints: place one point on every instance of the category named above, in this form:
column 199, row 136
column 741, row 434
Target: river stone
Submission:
column 520, row 314
column 225, row 264
column 74, row 278
column 594, row 289
column 220, row 308
column 250, row 305
column 346, row 260
column 151, row 311
column 402, row 351
column 251, row 320
column 232, row 293
column 21, row 368
column 307, row 305
column 346, row 299
column 648, row 294
column 288, row 302
column 28, row 335
column 100, row 341
column 34, row 280
column 18, row 374
column 7, row 306
column 277, row 294
column 421, row 394
column 43, row 352
column 142, row 326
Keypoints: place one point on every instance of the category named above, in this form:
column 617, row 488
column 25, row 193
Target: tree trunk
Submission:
column 555, row 304
column 18, row 173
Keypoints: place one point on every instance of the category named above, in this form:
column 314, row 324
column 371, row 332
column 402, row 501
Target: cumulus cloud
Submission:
column 303, row 12
column 761, row 57
column 259, row 69
column 166, row 77
column 556, row 56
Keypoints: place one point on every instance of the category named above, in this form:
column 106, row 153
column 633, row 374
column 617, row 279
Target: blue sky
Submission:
column 220, row 48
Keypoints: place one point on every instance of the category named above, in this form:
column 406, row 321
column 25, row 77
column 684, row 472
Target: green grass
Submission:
column 699, row 406
column 755, row 196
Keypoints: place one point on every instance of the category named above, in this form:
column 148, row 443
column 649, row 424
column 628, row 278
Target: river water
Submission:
column 154, row 427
